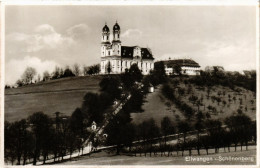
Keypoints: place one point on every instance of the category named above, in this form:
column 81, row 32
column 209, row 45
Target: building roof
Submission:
column 105, row 28
column 127, row 52
column 181, row 62
column 116, row 27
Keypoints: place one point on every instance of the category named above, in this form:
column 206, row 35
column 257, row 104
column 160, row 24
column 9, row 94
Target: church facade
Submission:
column 115, row 58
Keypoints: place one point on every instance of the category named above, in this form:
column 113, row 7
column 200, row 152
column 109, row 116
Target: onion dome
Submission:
column 116, row 27
column 105, row 28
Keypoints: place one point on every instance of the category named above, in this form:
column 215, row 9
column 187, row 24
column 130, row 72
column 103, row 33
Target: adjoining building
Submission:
column 188, row 67
column 116, row 58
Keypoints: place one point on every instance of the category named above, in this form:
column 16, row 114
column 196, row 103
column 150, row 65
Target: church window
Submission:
column 108, row 52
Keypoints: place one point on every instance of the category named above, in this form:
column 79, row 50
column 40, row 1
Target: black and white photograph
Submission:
column 115, row 84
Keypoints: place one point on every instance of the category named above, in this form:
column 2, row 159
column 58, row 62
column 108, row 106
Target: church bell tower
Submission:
column 116, row 43
column 105, row 42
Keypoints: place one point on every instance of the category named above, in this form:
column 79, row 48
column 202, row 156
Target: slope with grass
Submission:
column 157, row 106
column 63, row 95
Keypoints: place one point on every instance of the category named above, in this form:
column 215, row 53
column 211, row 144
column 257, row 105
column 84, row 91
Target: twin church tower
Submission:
column 116, row 58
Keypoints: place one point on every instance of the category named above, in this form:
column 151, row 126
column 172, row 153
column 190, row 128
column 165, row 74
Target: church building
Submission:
column 115, row 58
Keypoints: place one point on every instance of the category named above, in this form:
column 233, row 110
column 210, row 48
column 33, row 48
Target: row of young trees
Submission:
column 147, row 137
column 169, row 93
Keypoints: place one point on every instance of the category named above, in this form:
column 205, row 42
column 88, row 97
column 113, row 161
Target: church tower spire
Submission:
column 116, row 43
column 105, row 34
column 116, row 32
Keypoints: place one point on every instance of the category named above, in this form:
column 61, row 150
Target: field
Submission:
column 221, row 158
column 63, row 95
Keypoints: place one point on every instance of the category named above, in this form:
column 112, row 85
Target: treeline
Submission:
column 147, row 138
column 40, row 137
column 227, row 79
column 30, row 75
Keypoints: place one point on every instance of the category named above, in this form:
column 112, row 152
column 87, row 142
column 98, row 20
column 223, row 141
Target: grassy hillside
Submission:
column 156, row 106
column 63, row 95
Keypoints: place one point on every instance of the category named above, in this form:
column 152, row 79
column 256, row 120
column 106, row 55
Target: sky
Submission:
column 47, row 36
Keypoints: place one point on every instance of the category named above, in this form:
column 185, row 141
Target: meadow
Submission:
column 62, row 95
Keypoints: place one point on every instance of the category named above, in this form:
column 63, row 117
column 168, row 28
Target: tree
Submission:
column 57, row 73
column 239, row 126
column 215, row 132
column 28, row 75
column 131, row 76
column 111, row 85
column 135, row 73
column 108, row 67
column 85, row 70
column 67, row 73
column 91, row 108
column 120, row 131
column 199, row 125
column 19, row 83
column 183, row 127
column 19, row 141
column 76, row 122
column 41, row 127
column 46, row 76
column 94, row 69
column 167, row 127
column 76, row 70
column 158, row 75
column 177, row 69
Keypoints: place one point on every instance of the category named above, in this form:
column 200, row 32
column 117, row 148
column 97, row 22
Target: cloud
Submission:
column 132, row 33
column 44, row 37
column 78, row 31
column 15, row 68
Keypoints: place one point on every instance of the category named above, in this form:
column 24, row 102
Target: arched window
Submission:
column 107, row 37
column 118, row 36
column 108, row 52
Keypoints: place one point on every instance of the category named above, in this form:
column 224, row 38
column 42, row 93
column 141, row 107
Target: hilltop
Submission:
column 63, row 95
